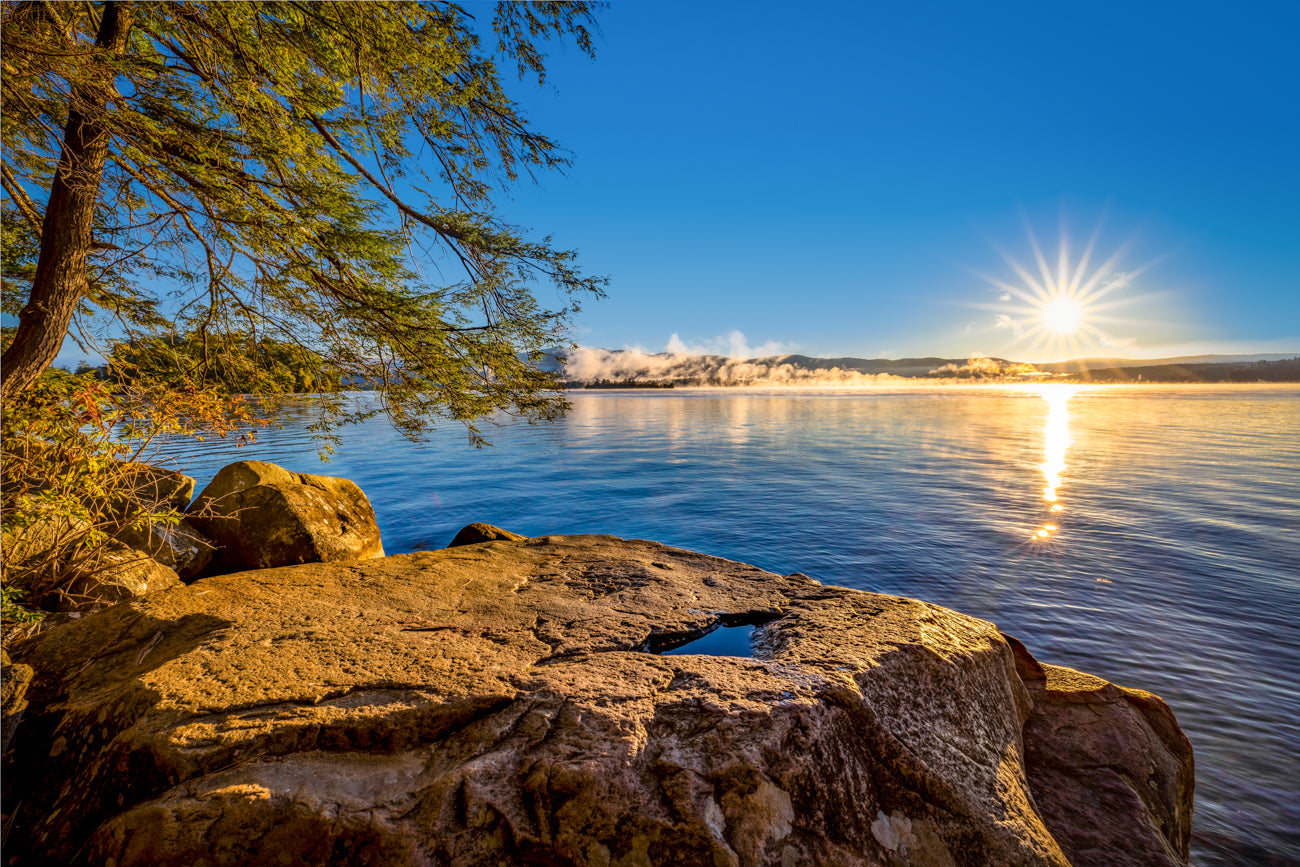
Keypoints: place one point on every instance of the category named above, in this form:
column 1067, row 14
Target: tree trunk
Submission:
column 66, row 234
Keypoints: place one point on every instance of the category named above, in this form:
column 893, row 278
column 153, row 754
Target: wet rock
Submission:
column 261, row 516
column 492, row 704
column 472, row 534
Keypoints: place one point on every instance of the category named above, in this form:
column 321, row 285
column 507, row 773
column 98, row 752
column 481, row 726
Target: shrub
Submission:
column 71, row 477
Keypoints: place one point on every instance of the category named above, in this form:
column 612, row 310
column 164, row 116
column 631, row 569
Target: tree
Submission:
column 316, row 174
column 235, row 363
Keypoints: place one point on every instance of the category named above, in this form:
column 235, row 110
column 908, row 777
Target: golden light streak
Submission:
column 1056, row 437
column 1056, row 442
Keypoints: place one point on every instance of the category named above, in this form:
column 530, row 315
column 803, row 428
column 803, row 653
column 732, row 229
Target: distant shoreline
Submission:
column 606, row 369
column 902, row 385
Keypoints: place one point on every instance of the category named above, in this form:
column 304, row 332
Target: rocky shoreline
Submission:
column 507, row 701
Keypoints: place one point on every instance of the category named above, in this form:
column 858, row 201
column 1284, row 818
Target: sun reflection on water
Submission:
column 1056, row 441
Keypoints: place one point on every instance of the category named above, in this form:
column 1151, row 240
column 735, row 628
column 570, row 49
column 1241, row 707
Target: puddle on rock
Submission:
column 721, row 641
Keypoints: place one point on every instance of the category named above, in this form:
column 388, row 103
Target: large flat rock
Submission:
column 500, row 703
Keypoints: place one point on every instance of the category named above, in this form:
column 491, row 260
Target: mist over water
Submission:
column 1145, row 534
column 589, row 365
column 689, row 367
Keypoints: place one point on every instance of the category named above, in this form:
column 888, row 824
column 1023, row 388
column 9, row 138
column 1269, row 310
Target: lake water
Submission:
column 1150, row 535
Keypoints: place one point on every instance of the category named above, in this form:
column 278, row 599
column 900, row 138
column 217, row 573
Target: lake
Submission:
column 1148, row 534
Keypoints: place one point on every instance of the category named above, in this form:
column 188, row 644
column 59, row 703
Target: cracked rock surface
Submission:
column 496, row 703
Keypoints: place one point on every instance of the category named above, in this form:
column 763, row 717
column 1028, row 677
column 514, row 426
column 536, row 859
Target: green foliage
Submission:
column 224, row 363
column 19, row 245
column 320, row 175
column 14, row 608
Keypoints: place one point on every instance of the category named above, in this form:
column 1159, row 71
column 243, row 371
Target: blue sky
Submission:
column 834, row 178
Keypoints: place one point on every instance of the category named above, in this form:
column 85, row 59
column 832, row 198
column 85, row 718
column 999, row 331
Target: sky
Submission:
column 845, row 179
column 873, row 180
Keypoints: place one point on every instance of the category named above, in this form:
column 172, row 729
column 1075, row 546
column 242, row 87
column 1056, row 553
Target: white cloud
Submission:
column 1002, row 320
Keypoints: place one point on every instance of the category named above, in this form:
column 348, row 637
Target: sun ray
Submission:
column 1082, row 267
column 1063, row 259
column 1024, row 275
column 1059, row 305
column 1010, row 288
column 1040, row 259
column 1106, row 269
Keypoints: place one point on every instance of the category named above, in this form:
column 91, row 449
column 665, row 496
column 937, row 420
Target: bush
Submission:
column 72, row 479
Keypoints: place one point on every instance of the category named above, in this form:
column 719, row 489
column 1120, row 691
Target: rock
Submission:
column 261, row 516
column 173, row 541
column 74, row 576
column 113, row 573
column 15, row 678
column 501, row 703
column 472, row 534
column 148, row 516
column 153, row 488
column 41, row 539
column 1110, row 769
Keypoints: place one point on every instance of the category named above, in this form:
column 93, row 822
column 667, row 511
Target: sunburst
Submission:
column 1065, row 309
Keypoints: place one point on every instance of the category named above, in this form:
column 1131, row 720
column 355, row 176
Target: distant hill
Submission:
column 894, row 366
column 1081, row 364
column 1285, row 370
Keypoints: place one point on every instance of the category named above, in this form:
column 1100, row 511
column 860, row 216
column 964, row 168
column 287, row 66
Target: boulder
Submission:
column 173, row 541
column 113, row 573
column 507, row 703
column 1110, row 769
column 472, row 534
column 42, row 539
column 73, row 575
column 262, row 516
column 15, row 678
column 153, row 488
column 147, row 515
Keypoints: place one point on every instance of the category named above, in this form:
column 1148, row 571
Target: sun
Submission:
column 1062, row 316
column 1060, row 309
